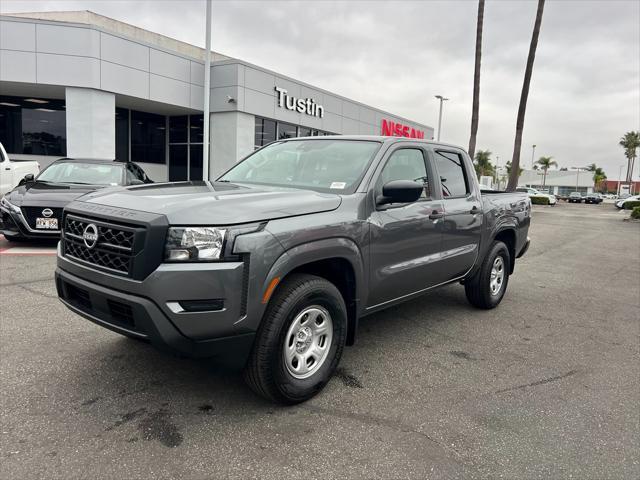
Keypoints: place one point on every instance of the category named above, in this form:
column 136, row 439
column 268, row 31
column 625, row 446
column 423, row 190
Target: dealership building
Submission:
column 80, row 85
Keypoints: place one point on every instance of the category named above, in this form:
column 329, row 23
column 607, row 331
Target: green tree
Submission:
column 545, row 163
column 630, row 142
column 517, row 144
column 598, row 176
column 482, row 163
column 476, row 81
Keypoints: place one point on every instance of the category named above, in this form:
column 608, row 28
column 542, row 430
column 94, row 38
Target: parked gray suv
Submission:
column 273, row 264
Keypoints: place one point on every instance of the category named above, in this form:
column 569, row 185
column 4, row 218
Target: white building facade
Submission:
column 558, row 182
column 80, row 85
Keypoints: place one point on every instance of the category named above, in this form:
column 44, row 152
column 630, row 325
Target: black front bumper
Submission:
column 13, row 225
column 139, row 317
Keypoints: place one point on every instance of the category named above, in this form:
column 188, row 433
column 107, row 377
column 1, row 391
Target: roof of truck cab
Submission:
column 375, row 138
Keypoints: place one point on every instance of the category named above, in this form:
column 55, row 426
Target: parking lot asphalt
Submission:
column 545, row 386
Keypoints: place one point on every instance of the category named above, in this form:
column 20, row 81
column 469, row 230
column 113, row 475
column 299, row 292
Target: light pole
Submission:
column 207, row 86
column 533, row 154
column 442, row 99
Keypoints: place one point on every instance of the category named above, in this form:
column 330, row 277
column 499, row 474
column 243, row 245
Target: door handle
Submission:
column 434, row 215
column 474, row 210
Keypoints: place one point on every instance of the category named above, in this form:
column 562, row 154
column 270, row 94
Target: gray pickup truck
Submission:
column 273, row 264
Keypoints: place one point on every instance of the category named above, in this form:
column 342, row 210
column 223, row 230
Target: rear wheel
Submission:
column 300, row 340
column 487, row 287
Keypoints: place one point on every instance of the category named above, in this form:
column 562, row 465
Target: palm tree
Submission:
column 515, row 161
column 630, row 142
column 598, row 175
column 483, row 163
column 476, row 82
column 545, row 163
column 520, row 170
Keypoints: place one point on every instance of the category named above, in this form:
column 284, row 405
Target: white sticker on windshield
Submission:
column 338, row 185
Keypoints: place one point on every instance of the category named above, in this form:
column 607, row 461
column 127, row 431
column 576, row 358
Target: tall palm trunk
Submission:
column 515, row 160
column 544, row 178
column 476, row 81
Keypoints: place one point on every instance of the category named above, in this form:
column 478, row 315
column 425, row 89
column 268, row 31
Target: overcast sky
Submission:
column 585, row 91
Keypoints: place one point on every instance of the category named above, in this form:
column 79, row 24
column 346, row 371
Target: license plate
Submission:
column 47, row 223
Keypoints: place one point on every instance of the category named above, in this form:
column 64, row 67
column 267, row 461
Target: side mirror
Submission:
column 400, row 191
column 28, row 178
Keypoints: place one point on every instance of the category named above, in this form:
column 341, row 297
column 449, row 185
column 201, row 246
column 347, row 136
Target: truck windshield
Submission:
column 82, row 173
column 335, row 166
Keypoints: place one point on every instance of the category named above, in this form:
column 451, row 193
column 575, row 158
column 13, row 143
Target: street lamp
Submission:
column 533, row 154
column 442, row 99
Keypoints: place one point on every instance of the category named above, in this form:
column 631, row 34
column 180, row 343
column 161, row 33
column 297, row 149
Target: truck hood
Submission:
column 217, row 203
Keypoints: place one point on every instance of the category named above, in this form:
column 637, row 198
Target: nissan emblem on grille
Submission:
column 47, row 212
column 90, row 235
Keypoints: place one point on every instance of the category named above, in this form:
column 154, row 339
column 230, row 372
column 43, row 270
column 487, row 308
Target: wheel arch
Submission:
column 507, row 235
column 338, row 260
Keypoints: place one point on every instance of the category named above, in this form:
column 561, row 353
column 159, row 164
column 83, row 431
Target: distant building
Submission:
column 558, row 182
column 612, row 186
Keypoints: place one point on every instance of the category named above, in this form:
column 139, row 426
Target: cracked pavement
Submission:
column 545, row 386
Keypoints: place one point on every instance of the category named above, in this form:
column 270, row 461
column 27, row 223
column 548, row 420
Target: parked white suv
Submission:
column 532, row 192
column 11, row 172
column 620, row 203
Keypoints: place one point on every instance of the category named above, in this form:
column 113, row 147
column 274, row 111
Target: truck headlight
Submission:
column 193, row 244
column 8, row 205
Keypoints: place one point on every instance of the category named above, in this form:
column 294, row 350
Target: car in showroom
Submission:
column 621, row 203
column 33, row 210
column 575, row 197
column 271, row 265
column 532, row 192
column 593, row 198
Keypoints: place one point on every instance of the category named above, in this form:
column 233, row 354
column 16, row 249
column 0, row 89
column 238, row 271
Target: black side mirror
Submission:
column 28, row 178
column 400, row 191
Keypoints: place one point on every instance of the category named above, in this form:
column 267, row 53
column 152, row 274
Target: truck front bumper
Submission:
column 154, row 309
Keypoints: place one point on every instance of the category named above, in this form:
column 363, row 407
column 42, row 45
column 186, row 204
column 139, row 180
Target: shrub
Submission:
column 632, row 205
column 540, row 200
column 635, row 213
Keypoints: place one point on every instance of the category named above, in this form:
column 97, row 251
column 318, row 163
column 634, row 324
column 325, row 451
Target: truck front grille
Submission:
column 114, row 249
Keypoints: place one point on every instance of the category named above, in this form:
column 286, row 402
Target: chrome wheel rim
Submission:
column 497, row 276
column 308, row 341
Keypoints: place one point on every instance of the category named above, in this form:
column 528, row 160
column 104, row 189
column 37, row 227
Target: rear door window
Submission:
column 453, row 177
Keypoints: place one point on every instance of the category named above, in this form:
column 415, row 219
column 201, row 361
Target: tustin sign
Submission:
column 301, row 105
column 394, row 129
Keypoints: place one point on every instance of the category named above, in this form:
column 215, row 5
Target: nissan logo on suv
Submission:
column 47, row 212
column 90, row 235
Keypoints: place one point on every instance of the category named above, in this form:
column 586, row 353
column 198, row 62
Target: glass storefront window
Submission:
column 265, row 131
column 148, row 135
column 33, row 126
column 287, row 130
column 304, row 132
column 122, row 134
column 196, row 127
column 195, row 161
column 178, row 164
column 178, row 129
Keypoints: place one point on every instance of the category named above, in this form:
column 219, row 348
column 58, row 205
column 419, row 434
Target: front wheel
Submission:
column 487, row 287
column 300, row 340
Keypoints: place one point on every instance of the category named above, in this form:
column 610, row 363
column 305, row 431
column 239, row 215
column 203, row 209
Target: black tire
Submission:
column 266, row 372
column 478, row 287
